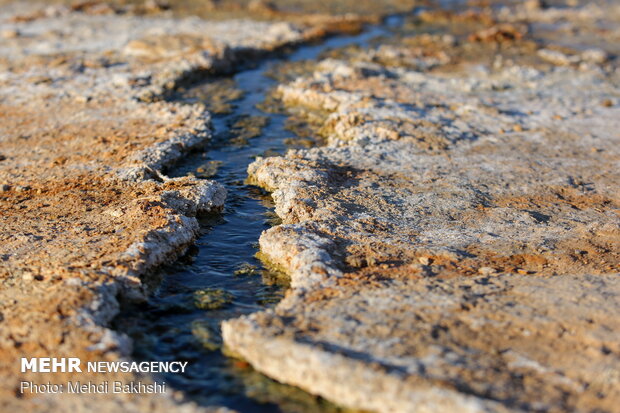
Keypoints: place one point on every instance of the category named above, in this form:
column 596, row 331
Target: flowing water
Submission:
column 222, row 263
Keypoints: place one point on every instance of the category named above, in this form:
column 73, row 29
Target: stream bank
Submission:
column 222, row 264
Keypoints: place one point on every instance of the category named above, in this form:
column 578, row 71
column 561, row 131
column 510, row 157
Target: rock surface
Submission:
column 456, row 245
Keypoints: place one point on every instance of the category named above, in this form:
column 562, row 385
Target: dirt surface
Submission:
column 456, row 244
column 453, row 247
column 86, row 212
column 300, row 10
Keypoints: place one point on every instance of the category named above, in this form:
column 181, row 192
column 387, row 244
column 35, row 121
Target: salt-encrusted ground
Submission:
column 85, row 210
column 456, row 244
column 454, row 247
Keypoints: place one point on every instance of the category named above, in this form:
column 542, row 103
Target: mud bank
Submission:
column 455, row 246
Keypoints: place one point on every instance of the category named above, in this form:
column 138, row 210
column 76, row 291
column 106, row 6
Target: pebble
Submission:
column 486, row 271
column 424, row 260
column 594, row 56
column 208, row 170
column 246, row 269
column 207, row 334
column 212, row 298
column 556, row 57
column 82, row 99
column 10, row 33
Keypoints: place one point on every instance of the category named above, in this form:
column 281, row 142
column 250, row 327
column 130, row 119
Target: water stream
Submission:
column 222, row 263
column 169, row 326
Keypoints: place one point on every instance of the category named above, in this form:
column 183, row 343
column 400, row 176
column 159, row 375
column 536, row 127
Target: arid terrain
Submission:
column 450, row 226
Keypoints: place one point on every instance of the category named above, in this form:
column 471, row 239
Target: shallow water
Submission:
column 169, row 326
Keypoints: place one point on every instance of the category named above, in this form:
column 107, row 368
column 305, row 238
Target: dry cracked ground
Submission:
column 454, row 245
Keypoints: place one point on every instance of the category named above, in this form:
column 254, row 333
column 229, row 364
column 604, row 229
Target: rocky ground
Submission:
column 455, row 246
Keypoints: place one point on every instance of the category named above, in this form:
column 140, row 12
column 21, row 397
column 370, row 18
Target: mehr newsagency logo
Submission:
column 75, row 365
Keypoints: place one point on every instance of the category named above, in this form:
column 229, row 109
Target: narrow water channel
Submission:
column 222, row 263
